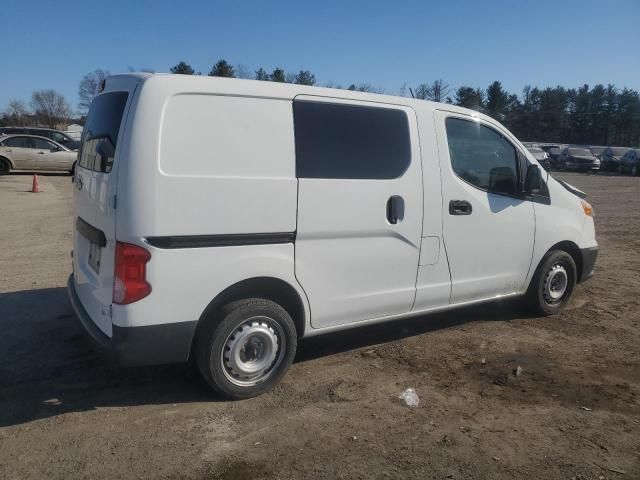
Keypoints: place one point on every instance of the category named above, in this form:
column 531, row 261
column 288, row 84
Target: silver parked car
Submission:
column 30, row 152
column 580, row 159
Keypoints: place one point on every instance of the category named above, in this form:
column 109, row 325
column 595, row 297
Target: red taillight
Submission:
column 129, row 278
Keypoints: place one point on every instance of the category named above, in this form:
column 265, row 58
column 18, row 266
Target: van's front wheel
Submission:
column 553, row 283
column 248, row 350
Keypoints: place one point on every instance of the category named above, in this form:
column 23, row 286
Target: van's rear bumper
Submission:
column 589, row 256
column 148, row 345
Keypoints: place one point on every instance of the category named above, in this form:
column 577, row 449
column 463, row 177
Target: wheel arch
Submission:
column 8, row 160
column 572, row 249
column 269, row 288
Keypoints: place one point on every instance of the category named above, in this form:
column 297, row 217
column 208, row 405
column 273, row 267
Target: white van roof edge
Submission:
column 291, row 90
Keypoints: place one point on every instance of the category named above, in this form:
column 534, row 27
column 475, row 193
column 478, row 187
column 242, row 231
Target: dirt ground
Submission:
column 573, row 412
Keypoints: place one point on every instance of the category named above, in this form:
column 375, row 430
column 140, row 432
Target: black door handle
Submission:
column 395, row 209
column 460, row 207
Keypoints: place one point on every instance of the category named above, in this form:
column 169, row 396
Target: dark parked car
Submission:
column 541, row 156
column 610, row 158
column 630, row 162
column 55, row 135
column 580, row 159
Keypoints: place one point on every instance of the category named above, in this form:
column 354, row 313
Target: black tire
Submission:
column 540, row 295
column 73, row 169
column 252, row 323
column 634, row 171
column 5, row 166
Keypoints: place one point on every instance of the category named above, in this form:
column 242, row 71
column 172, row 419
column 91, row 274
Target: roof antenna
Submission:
column 411, row 91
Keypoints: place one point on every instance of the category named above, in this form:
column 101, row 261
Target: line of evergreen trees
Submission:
column 601, row 115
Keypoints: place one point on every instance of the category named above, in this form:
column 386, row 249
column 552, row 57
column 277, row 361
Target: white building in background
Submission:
column 74, row 131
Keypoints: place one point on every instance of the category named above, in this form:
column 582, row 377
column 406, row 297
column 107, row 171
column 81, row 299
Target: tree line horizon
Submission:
column 600, row 115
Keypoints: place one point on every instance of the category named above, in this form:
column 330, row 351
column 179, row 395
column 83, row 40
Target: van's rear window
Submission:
column 100, row 134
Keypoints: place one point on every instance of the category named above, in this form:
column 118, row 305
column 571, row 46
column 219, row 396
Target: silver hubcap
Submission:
column 555, row 283
column 252, row 351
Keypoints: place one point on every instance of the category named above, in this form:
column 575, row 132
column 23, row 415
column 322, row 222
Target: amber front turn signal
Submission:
column 588, row 209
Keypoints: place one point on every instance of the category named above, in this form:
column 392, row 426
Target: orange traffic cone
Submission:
column 35, row 187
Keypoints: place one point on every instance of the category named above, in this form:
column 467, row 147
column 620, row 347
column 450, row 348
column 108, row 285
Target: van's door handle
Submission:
column 460, row 207
column 395, row 209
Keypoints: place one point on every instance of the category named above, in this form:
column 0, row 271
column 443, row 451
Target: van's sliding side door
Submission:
column 359, row 208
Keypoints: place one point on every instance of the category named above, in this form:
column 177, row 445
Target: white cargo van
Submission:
column 223, row 220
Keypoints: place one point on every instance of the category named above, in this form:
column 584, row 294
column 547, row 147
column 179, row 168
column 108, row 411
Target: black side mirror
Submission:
column 533, row 180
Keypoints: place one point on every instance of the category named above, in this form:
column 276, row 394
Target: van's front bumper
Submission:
column 148, row 345
column 589, row 256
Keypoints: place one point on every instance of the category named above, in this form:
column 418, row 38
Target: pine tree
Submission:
column 222, row 69
column 183, row 69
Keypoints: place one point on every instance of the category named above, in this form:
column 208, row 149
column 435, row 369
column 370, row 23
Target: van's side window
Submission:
column 349, row 141
column 482, row 157
column 100, row 133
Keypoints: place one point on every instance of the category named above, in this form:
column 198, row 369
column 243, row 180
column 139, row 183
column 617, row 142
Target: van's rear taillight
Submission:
column 129, row 279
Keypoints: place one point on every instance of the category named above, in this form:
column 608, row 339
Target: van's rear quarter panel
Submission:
column 200, row 163
column 185, row 280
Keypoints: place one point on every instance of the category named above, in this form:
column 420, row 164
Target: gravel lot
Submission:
column 573, row 413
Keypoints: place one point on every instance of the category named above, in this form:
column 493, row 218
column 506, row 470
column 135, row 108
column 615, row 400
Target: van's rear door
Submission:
column 95, row 196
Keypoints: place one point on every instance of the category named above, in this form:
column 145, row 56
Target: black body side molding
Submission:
column 203, row 241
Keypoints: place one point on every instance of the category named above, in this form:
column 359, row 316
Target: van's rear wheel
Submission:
column 248, row 350
column 553, row 283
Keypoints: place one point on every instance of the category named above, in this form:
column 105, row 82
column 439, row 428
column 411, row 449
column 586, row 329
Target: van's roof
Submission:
column 206, row 84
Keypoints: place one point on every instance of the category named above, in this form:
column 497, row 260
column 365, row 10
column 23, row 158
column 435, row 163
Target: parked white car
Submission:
column 30, row 152
column 224, row 219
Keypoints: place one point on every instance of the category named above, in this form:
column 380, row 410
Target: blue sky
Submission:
column 52, row 44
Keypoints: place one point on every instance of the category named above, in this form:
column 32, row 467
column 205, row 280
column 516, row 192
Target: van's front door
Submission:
column 488, row 225
column 359, row 208
column 95, row 183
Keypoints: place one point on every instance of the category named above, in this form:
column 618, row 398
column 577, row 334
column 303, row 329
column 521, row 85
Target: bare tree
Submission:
column 89, row 88
column 17, row 113
column 50, row 107
column 436, row 92
column 439, row 90
column 422, row 91
column 290, row 78
column 242, row 71
column 365, row 87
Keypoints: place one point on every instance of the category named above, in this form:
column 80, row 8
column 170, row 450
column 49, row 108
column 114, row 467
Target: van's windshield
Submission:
column 100, row 135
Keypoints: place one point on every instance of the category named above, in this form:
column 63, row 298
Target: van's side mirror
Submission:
column 533, row 180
